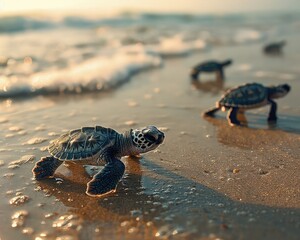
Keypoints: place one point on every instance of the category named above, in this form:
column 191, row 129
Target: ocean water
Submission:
column 49, row 54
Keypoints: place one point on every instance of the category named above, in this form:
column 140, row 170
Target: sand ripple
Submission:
column 36, row 140
column 24, row 159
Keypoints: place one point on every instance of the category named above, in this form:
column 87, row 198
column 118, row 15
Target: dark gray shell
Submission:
column 245, row 96
column 82, row 144
column 209, row 66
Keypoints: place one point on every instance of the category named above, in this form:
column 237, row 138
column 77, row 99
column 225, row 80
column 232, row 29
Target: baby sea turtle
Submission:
column 210, row 67
column 248, row 96
column 93, row 144
column 274, row 48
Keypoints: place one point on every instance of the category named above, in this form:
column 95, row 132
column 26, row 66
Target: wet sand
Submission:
column 207, row 181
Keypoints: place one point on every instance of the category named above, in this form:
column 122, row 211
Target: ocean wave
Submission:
column 11, row 24
column 106, row 71
column 24, row 22
column 97, row 74
column 21, row 23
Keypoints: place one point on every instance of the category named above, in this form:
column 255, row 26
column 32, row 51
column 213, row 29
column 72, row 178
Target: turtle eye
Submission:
column 145, row 131
column 150, row 138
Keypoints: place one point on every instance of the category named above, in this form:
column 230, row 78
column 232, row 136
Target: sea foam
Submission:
column 99, row 73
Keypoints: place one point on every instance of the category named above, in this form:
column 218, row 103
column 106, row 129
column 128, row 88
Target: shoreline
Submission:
column 207, row 181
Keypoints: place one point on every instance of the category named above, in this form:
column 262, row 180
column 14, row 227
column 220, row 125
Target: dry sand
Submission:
column 207, row 181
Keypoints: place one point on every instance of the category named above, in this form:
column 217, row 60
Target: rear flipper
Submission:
column 220, row 75
column 211, row 112
column 46, row 167
column 272, row 114
column 107, row 179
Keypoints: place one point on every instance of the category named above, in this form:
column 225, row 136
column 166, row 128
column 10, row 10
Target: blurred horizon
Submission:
column 10, row 7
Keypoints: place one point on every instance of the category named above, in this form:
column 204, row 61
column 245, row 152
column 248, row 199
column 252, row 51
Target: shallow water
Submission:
column 207, row 181
column 101, row 53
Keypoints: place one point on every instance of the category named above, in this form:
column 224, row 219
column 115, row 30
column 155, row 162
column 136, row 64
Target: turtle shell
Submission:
column 82, row 144
column 246, row 96
column 210, row 66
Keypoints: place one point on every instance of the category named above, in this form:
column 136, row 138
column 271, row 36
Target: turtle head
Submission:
column 227, row 62
column 194, row 74
column 147, row 138
column 279, row 91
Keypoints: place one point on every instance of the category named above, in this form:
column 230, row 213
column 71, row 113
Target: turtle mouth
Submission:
column 160, row 138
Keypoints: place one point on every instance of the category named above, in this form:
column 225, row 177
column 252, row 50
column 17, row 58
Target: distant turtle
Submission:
column 274, row 48
column 210, row 67
column 248, row 96
column 93, row 144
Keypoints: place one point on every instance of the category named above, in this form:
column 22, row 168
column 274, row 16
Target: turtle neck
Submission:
column 125, row 146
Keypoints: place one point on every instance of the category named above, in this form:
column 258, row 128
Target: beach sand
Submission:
column 207, row 181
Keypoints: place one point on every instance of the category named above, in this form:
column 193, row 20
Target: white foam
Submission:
column 176, row 46
column 103, row 72
column 248, row 35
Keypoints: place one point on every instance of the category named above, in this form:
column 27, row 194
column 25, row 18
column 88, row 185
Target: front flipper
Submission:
column 272, row 114
column 220, row 75
column 46, row 167
column 107, row 179
column 232, row 116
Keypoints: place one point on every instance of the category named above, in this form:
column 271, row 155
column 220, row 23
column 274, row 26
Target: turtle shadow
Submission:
column 286, row 123
column 196, row 206
column 214, row 86
column 274, row 55
column 153, row 193
column 129, row 196
column 248, row 135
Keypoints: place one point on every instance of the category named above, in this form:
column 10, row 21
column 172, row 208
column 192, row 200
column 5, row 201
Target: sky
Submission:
column 180, row 6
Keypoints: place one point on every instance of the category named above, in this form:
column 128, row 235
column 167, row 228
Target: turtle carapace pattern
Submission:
column 210, row 67
column 249, row 96
column 95, row 144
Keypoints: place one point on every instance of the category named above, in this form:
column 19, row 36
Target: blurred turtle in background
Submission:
column 274, row 48
column 210, row 67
